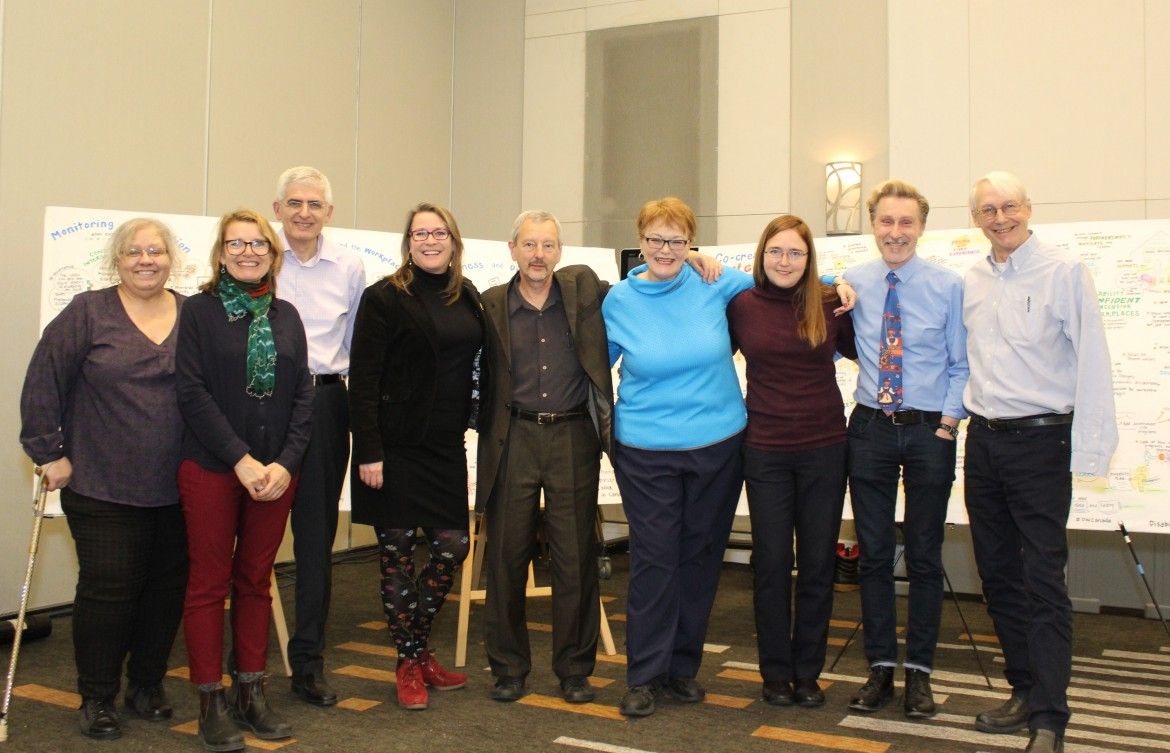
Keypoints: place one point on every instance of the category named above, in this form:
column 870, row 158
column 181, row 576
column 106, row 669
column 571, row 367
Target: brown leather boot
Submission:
column 217, row 731
column 251, row 710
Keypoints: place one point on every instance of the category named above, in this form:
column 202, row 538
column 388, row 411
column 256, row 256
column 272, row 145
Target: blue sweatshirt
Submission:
column 679, row 389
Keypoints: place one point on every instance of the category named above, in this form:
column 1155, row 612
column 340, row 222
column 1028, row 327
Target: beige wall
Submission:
column 172, row 106
column 152, row 105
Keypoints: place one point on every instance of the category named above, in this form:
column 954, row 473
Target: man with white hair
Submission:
column 325, row 284
column 1041, row 404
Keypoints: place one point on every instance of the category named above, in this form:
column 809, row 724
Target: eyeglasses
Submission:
column 134, row 252
column 315, row 207
column 440, row 234
column 791, row 254
column 236, row 247
column 1009, row 209
column 656, row 243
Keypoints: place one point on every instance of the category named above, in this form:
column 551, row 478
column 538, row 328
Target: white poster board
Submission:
column 1130, row 261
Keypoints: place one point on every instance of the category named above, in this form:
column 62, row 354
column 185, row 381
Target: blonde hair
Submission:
column 404, row 275
column 217, row 252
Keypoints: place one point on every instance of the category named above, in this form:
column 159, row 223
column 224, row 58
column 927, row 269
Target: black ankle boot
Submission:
column 251, row 710
column 217, row 731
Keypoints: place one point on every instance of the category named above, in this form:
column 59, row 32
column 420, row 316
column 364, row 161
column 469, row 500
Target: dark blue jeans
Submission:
column 791, row 494
column 680, row 505
column 1018, row 489
column 878, row 453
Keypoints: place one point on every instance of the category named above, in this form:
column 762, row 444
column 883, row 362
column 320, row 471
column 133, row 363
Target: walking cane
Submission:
column 38, row 516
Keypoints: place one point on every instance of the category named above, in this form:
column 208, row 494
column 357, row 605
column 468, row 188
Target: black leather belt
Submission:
column 1025, row 422
column 550, row 418
column 320, row 379
column 903, row 417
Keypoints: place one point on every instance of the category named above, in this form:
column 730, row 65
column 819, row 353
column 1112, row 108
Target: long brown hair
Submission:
column 275, row 248
column 809, row 297
column 404, row 275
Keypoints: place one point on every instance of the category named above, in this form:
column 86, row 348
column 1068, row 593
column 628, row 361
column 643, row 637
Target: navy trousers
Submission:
column 680, row 505
column 794, row 494
column 1019, row 489
column 314, row 524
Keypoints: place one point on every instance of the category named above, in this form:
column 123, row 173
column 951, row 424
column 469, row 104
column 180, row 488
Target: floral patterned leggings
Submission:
column 411, row 602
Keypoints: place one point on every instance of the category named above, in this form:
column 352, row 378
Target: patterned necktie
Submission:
column 889, row 396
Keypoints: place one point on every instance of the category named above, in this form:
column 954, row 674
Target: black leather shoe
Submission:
column 312, row 688
column 508, row 689
column 1008, row 718
column 778, row 693
column 806, row 692
column 685, row 689
column 918, row 700
column 150, row 703
column 638, row 701
column 251, row 711
column 576, row 689
column 1045, row 741
column 217, row 730
column 877, row 690
column 98, row 719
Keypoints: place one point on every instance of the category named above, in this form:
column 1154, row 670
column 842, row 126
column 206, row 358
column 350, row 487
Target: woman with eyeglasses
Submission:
column 413, row 391
column 246, row 397
column 678, row 426
column 794, row 453
column 100, row 390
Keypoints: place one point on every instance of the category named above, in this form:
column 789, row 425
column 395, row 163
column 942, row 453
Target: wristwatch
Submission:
column 952, row 430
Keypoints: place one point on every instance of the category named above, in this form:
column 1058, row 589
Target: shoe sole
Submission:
column 278, row 735
column 811, row 703
column 112, row 735
column 412, row 706
column 882, row 702
column 921, row 714
column 442, row 688
column 222, row 747
column 314, row 701
column 991, row 730
column 638, row 712
column 582, row 698
column 685, row 698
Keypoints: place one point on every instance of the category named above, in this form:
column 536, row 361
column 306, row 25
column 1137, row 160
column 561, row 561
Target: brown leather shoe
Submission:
column 877, row 690
column 1045, row 741
column 919, row 700
column 1008, row 718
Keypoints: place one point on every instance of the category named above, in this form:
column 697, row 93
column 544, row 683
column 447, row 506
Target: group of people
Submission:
column 247, row 393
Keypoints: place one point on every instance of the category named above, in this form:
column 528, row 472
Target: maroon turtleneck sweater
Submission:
column 793, row 400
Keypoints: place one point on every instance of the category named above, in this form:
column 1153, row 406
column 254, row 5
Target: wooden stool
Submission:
column 469, row 591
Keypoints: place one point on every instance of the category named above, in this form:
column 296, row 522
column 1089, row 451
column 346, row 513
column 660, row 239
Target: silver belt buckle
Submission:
column 545, row 418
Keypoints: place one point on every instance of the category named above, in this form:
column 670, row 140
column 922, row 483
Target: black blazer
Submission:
column 392, row 367
column 581, row 293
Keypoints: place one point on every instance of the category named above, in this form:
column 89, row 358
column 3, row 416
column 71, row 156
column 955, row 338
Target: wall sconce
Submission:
column 843, row 198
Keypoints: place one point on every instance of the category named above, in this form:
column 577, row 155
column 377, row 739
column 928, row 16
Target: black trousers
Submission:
column 132, row 576
column 1019, row 490
column 563, row 461
column 799, row 495
column 314, row 524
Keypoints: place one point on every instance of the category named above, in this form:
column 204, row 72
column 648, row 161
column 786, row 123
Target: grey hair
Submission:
column 1002, row 183
column 536, row 216
column 304, row 174
column 120, row 240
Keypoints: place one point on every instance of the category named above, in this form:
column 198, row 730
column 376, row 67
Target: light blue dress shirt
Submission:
column 1037, row 346
column 934, row 341
column 326, row 291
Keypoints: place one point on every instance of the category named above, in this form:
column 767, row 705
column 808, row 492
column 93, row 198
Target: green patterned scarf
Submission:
column 237, row 301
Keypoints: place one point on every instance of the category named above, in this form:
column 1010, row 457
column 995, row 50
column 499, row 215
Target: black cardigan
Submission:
column 223, row 422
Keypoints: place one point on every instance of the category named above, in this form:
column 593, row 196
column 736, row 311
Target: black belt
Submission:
column 550, row 418
column 320, row 379
column 1026, row 422
column 903, row 417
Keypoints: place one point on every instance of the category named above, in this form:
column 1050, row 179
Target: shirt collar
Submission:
column 325, row 251
column 516, row 300
column 907, row 270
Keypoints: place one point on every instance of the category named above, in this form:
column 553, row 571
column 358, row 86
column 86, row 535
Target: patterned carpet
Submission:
column 1120, row 692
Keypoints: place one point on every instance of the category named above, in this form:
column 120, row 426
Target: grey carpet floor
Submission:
column 1120, row 693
